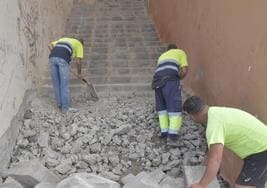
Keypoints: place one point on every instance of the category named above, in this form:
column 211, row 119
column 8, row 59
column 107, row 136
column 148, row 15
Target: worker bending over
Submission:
column 237, row 130
column 62, row 52
column 171, row 68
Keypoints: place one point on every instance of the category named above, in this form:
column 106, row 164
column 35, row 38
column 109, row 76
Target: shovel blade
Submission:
column 91, row 90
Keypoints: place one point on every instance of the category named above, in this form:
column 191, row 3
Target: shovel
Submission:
column 90, row 86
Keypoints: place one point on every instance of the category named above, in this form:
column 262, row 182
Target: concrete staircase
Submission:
column 121, row 47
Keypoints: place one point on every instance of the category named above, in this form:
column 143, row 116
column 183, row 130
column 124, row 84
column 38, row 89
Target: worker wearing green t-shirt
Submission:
column 237, row 130
column 62, row 51
column 172, row 67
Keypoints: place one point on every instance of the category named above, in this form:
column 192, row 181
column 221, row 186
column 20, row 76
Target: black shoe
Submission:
column 163, row 138
column 163, row 135
column 172, row 140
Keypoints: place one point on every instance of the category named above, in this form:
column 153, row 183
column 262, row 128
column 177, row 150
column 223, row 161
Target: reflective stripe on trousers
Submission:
column 170, row 122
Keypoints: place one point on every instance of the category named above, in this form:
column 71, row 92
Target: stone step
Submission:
column 131, row 71
column 121, row 47
column 105, row 79
column 135, row 49
column 111, row 26
column 132, row 87
column 83, row 92
column 122, row 61
column 125, row 30
column 142, row 19
column 101, row 71
column 135, row 44
column 126, row 38
column 124, row 93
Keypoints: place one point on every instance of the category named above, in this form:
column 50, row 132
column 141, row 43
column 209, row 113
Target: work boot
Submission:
column 163, row 138
column 172, row 140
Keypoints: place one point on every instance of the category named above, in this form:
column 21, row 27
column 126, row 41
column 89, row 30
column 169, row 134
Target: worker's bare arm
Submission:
column 79, row 67
column 182, row 72
column 50, row 46
column 213, row 164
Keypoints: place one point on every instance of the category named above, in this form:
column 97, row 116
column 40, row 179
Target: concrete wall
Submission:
column 226, row 43
column 26, row 28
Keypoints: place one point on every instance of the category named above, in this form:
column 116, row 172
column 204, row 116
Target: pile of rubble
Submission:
column 112, row 138
column 32, row 174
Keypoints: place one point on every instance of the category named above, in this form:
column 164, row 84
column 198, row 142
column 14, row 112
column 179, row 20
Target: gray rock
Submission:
column 169, row 182
column 64, row 167
column 196, row 142
column 66, row 135
column 74, row 129
column 51, row 153
column 43, row 139
column 142, row 180
column 171, row 165
column 116, row 140
column 123, row 129
column 157, row 175
column 76, row 147
column 114, row 160
column 28, row 133
column 11, row 183
column 46, row 185
column 35, row 169
column 156, row 161
column 28, row 114
column 51, row 162
column 194, row 174
column 82, row 165
column 95, row 148
column 66, row 149
column 82, row 180
column 141, row 139
column 27, row 123
column 23, row 143
column 107, row 138
column 57, row 143
column 174, row 172
column 128, row 179
column 88, row 138
column 133, row 156
column 91, row 159
column 118, row 170
column 175, row 153
column 110, row 175
column 165, row 157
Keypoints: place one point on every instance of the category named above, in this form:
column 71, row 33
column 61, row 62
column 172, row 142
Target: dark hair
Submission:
column 193, row 105
column 81, row 40
column 172, row 46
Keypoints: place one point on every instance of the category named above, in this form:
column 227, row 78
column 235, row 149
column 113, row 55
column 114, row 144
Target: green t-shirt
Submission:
column 76, row 46
column 177, row 55
column 237, row 130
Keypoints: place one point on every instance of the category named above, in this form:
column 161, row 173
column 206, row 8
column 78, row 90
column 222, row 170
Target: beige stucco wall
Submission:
column 226, row 43
column 26, row 28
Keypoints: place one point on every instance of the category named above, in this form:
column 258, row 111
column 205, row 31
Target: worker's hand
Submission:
column 196, row 185
column 80, row 76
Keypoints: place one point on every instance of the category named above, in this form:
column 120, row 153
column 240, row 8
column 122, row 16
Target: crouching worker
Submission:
column 171, row 68
column 236, row 130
